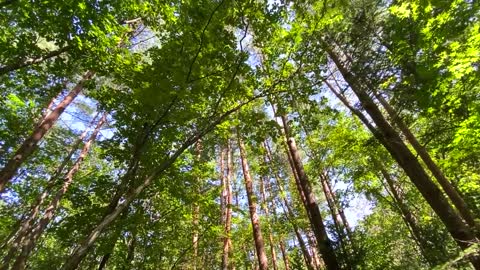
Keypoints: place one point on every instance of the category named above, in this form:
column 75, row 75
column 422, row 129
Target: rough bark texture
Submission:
column 408, row 217
column 451, row 192
column 267, row 215
column 252, row 206
column 316, row 220
column 81, row 250
column 30, row 144
column 387, row 135
column 227, row 243
column 29, row 243
column 27, row 223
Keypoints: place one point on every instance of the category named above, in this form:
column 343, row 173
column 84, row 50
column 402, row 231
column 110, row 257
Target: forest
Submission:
column 240, row 134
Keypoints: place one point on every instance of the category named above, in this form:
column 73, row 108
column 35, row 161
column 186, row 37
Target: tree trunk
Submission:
column 35, row 234
column 104, row 261
column 252, row 206
column 409, row 218
column 284, row 255
column 451, row 192
column 267, row 216
column 227, row 244
column 81, row 250
column 291, row 216
column 27, row 223
column 387, row 135
column 316, row 221
column 29, row 145
column 132, row 243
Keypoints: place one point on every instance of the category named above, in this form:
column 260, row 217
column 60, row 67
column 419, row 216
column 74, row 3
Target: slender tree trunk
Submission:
column 387, row 135
column 30, row 144
column 132, row 244
column 316, row 221
column 337, row 219
column 196, row 209
column 284, row 255
column 309, row 262
column 409, row 218
column 35, row 234
column 451, row 192
column 28, row 62
column 27, row 223
column 267, row 215
column 252, row 206
column 104, row 261
column 227, row 243
column 346, row 225
column 81, row 250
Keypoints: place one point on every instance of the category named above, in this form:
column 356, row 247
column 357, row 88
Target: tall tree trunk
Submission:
column 252, row 206
column 408, row 217
column 29, row 145
column 264, row 204
column 337, row 219
column 309, row 262
column 451, row 192
column 316, row 220
column 340, row 211
column 81, row 250
column 387, row 135
column 27, row 223
column 132, row 244
column 104, row 261
column 35, row 234
column 227, row 243
column 284, row 254
column 196, row 209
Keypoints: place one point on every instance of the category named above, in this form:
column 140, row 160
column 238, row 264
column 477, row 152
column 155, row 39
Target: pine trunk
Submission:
column 387, row 135
column 451, row 192
column 38, row 230
column 252, row 206
column 30, row 144
column 316, row 220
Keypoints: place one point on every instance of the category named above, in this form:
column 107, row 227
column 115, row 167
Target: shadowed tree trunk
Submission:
column 30, row 144
column 227, row 176
column 316, row 220
column 387, row 135
column 32, row 236
column 27, row 223
column 309, row 262
column 451, row 192
column 264, row 204
column 252, row 206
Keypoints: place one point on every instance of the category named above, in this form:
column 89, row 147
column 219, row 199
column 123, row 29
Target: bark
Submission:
column 28, row 62
column 252, row 206
column 267, row 215
column 451, row 192
column 227, row 243
column 38, row 230
column 346, row 225
column 104, row 261
column 196, row 210
column 408, row 217
column 387, row 135
column 132, row 243
column 337, row 219
column 291, row 217
column 81, row 250
column 316, row 220
column 284, row 255
column 27, row 223
column 30, row 144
